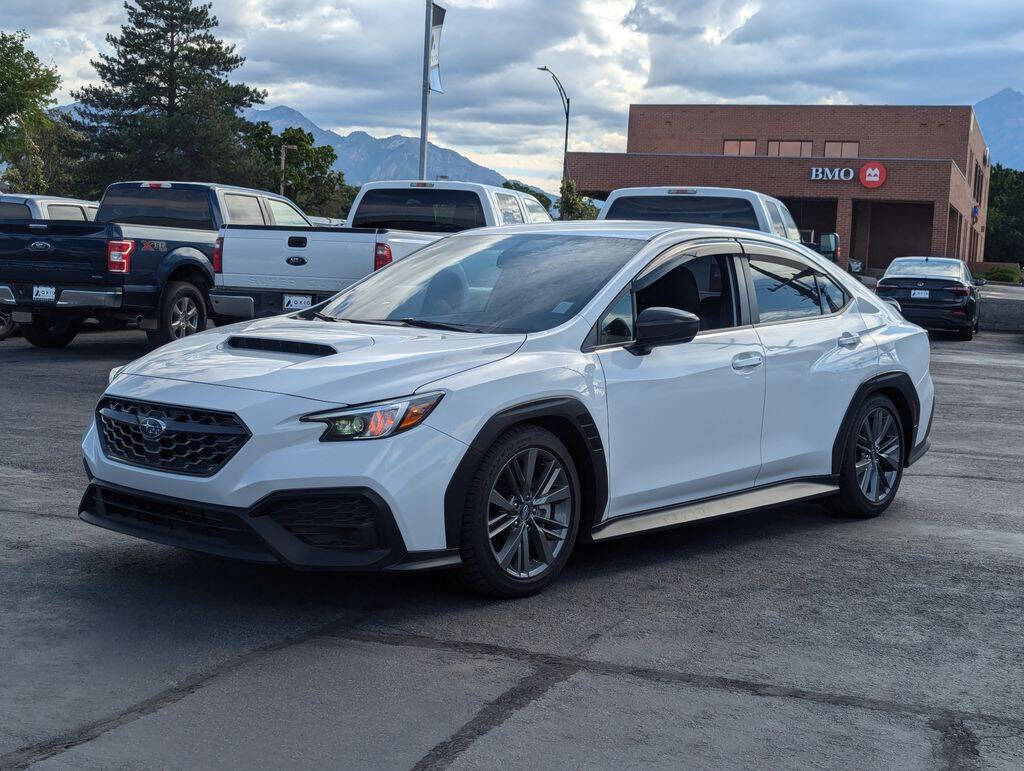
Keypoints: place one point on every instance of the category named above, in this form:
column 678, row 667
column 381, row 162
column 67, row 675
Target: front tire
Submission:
column 6, row 324
column 522, row 514
column 872, row 465
column 182, row 313
column 51, row 331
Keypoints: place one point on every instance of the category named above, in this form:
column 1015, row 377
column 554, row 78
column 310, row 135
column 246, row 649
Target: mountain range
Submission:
column 365, row 158
column 1002, row 122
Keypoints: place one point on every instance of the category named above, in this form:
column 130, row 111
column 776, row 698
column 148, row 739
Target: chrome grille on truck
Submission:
column 181, row 440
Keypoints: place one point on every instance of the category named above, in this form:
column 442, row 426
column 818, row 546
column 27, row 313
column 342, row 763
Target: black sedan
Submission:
column 934, row 292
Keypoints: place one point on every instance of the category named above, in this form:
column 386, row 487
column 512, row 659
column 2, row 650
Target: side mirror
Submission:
column 829, row 244
column 980, row 281
column 663, row 326
column 895, row 305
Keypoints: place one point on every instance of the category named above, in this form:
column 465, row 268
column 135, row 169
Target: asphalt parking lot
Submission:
column 780, row 639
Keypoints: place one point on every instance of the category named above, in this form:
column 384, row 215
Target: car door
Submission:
column 684, row 421
column 817, row 352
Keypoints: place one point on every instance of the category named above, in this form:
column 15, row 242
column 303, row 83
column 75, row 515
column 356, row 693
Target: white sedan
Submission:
column 500, row 395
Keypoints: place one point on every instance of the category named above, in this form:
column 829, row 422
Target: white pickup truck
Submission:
column 727, row 206
column 263, row 270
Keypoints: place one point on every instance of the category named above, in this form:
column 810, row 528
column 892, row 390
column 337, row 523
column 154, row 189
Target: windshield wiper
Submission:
column 426, row 324
column 322, row 316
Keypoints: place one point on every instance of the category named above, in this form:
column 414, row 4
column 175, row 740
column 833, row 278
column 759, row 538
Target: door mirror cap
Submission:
column 663, row 326
column 829, row 243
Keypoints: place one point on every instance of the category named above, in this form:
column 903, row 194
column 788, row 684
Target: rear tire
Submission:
column 967, row 334
column 6, row 324
column 872, row 465
column 522, row 514
column 51, row 331
column 182, row 313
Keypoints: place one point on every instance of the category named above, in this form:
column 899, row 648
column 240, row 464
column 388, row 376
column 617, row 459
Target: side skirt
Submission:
column 710, row 508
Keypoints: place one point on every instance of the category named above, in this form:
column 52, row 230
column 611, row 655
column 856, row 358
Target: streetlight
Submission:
column 565, row 106
column 284, row 151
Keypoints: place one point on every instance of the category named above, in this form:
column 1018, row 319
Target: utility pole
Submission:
column 426, row 88
column 284, row 151
column 565, row 107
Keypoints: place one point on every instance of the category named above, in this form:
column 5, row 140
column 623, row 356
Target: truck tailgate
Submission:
column 304, row 259
column 53, row 252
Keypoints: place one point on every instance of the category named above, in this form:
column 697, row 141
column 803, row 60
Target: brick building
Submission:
column 892, row 181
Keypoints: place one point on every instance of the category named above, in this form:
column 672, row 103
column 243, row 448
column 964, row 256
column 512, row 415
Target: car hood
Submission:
column 358, row 362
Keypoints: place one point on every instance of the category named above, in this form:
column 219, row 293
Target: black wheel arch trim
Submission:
column 898, row 383
column 184, row 257
column 585, row 436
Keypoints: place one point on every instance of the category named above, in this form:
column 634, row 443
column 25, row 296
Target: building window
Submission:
column 789, row 148
column 842, row 149
column 739, row 147
column 979, row 183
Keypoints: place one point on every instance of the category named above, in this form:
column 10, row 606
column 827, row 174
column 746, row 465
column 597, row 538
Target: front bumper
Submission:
column 404, row 478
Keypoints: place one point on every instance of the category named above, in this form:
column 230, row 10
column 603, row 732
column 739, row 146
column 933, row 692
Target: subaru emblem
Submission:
column 152, row 428
column 40, row 246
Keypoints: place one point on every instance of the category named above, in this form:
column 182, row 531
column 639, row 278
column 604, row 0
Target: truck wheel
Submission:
column 51, row 331
column 6, row 324
column 182, row 313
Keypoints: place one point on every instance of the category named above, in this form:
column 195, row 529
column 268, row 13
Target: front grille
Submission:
column 186, row 522
column 340, row 521
column 195, row 442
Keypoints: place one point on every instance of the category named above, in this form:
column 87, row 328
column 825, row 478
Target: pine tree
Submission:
column 165, row 108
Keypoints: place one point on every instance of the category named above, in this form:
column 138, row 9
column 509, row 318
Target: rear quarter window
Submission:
column 173, row 207
column 701, row 210
column 425, row 210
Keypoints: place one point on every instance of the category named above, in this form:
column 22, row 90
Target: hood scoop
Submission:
column 271, row 345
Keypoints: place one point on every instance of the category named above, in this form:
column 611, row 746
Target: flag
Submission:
column 436, row 22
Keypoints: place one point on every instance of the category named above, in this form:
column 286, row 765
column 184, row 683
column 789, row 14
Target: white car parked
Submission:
column 504, row 393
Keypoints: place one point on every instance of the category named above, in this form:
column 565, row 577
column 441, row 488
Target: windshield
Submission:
column 700, row 210
column 923, row 268
column 426, row 210
column 174, row 207
column 488, row 283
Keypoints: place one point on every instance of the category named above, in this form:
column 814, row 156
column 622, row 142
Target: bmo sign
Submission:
column 871, row 174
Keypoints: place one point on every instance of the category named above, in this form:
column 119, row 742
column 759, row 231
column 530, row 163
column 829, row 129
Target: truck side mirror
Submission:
column 829, row 245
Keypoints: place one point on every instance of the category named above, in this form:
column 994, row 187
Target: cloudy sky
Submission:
column 351, row 64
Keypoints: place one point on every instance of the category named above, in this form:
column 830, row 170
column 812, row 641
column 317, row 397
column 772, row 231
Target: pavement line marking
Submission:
column 714, row 682
column 24, row 757
column 494, row 713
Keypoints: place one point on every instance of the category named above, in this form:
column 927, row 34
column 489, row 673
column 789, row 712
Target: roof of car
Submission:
column 439, row 184
column 929, row 259
column 641, row 230
column 212, row 185
column 23, row 197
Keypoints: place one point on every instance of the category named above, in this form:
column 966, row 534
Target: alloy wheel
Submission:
column 879, row 454
column 529, row 512
column 184, row 318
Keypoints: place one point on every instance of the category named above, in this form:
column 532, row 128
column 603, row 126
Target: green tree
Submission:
column 26, row 90
column 572, row 205
column 164, row 108
column 49, row 159
column 515, row 184
column 1004, row 231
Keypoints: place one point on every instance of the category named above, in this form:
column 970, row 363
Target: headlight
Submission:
column 115, row 372
column 375, row 421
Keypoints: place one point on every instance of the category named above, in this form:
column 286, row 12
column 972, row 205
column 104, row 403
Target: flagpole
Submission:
column 426, row 89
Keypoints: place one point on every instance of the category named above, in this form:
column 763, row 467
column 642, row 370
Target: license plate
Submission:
column 918, row 294
column 295, row 302
column 44, row 293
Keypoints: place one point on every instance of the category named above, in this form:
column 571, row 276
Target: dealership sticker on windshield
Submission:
column 562, row 307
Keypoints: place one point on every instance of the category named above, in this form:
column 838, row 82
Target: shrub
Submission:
column 1002, row 273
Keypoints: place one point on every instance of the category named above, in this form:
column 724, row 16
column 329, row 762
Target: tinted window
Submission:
column 702, row 210
column 14, row 211
column 784, row 289
column 923, row 268
column 494, row 283
column 174, row 207
column 427, row 210
column 616, row 325
column 243, row 210
column 701, row 285
column 778, row 226
column 535, row 212
column 792, row 231
column 832, row 295
column 59, row 211
column 286, row 214
column 508, row 208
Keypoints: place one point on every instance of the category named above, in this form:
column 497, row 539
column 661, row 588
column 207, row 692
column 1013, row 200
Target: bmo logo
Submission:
column 872, row 174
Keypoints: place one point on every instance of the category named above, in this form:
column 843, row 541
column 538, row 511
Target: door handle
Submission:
column 296, row 242
column 742, row 362
column 849, row 340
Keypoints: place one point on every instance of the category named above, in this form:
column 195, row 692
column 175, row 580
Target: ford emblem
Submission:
column 40, row 246
column 152, row 428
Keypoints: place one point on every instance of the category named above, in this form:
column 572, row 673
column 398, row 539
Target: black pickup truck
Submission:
column 149, row 258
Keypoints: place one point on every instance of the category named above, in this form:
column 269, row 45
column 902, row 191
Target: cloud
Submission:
column 356, row 64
